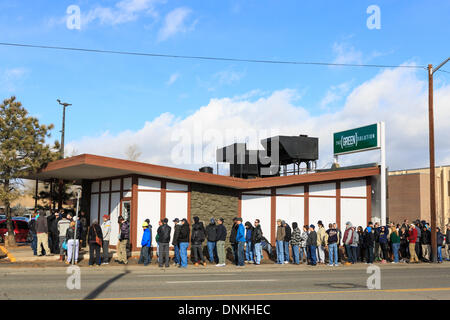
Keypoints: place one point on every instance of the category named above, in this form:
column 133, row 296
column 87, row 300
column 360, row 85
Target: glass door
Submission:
column 126, row 210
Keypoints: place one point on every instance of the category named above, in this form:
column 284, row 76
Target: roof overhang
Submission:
column 93, row 167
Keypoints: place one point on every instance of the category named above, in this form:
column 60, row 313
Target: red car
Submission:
column 20, row 230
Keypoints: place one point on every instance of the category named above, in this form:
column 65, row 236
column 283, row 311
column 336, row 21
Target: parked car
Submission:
column 20, row 230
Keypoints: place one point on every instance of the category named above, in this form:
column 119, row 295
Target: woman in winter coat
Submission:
column 303, row 238
column 295, row 241
column 94, row 235
column 72, row 244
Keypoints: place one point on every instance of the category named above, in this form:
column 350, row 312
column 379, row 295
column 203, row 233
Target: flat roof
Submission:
column 93, row 167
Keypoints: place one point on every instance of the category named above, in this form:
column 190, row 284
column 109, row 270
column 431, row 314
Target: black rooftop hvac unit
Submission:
column 279, row 151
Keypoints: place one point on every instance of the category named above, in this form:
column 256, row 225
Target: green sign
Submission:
column 355, row 140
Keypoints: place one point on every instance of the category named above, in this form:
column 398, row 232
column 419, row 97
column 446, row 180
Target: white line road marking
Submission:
column 185, row 275
column 217, row 281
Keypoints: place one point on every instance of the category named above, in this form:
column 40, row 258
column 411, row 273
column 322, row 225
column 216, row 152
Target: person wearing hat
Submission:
column 183, row 242
column 369, row 242
column 197, row 238
column 211, row 237
column 164, row 240
column 311, row 243
column 146, row 243
column 221, row 234
column 176, row 247
column 106, row 231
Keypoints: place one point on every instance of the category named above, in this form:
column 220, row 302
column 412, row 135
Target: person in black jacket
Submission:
column 234, row 244
column 287, row 238
column 257, row 237
column 176, row 247
column 425, row 241
column 183, row 242
column 95, row 239
column 53, row 237
column 197, row 238
column 404, row 246
column 211, row 236
column 164, row 239
column 221, row 235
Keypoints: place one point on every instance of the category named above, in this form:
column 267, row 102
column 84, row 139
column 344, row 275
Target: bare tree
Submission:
column 133, row 152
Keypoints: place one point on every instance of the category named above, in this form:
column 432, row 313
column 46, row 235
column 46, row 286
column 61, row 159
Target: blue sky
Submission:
column 113, row 95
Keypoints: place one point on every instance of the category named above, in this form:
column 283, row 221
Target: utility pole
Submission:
column 65, row 105
column 61, row 182
column 432, row 162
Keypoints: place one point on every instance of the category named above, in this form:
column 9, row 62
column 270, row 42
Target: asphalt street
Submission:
column 267, row 282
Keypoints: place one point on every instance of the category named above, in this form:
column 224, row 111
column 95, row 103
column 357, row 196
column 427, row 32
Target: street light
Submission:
column 65, row 105
column 431, row 72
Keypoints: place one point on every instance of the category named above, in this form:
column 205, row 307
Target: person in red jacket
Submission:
column 412, row 238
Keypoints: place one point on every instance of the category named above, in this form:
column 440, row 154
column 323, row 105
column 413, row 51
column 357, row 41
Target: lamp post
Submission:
column 431, row 72
column 65, row 105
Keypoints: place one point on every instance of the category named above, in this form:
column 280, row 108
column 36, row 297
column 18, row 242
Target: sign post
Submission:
column 361, row 139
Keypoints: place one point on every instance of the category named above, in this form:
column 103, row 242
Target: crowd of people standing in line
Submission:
column 392, row 243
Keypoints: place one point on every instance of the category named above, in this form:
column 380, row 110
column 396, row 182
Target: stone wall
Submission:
column 214, row 202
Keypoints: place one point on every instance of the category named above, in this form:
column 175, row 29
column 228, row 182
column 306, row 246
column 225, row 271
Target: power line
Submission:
column 443, row 71
column 206, row 57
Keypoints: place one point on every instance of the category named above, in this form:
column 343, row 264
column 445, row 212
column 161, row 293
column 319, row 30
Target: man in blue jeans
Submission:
column 183, row 242
column 311, row 243
column 281, row 234
column 287, row 239
column 240, row 239
column 257, row 237
column 176, row 246
column 211, row 236
column 332, row 246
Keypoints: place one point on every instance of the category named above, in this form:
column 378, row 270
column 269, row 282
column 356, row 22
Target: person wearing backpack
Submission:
column 95, row 239
column 197, row 238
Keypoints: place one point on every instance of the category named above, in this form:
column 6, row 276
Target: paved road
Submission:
column 265, row 282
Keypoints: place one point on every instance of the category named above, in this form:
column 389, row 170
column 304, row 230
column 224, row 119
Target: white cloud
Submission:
column 176, row 22
column 174, row 77
column 228, row 77
column 10, row 78
column 397, row 96
column 335, row 94
column 346, row 53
